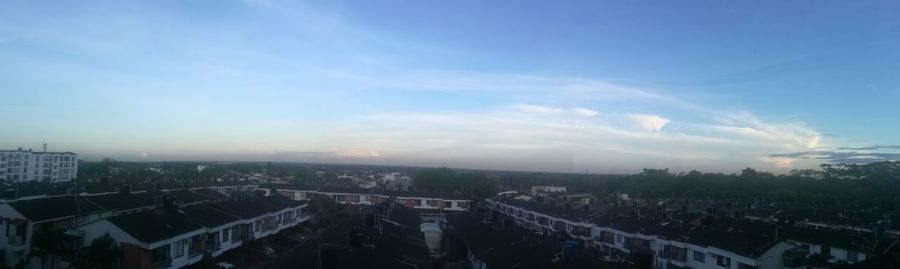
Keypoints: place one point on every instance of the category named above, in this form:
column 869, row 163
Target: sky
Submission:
column 572, row 86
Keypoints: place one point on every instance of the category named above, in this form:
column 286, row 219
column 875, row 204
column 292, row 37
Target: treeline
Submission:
column 874, row 185
column 449, row 181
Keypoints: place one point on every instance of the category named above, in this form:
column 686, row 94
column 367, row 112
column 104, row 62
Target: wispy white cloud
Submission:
column 647, row 123
column 611, row 142
column 584, row 111
column 309, row 85
column 538, row 109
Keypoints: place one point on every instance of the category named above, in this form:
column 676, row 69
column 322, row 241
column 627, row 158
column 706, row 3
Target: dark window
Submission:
column 178, row 248
column 723, row 261
column 826, row 251
column 852, row 256
column 699, row 256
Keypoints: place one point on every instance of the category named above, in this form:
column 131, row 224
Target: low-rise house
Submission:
column 264, row 216
column 25, row 220
column 161, row 238
column 223, row 231
column 360, row 196
column 174, row 237
column 691, row 242
column 535, row 190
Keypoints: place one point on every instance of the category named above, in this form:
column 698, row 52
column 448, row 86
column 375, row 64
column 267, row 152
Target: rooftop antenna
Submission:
column 45, row 146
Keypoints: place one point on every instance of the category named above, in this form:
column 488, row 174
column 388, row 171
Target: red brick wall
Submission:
column 135, row 257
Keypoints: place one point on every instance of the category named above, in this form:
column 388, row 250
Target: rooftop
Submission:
column 156, row 225
column 50, row 208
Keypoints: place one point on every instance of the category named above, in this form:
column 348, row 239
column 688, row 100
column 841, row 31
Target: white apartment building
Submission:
column 27, row 165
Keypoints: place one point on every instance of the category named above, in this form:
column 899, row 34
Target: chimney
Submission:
column 45, row 146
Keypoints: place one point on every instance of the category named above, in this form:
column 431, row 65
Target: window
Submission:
column 852, row 256
column 699, row 256
column 826, row 250
column 178, row 248
column 161, row 255
column 235, row 233
column 722, row 260
column 225, row 234
column 620, row 238
column 432, row 203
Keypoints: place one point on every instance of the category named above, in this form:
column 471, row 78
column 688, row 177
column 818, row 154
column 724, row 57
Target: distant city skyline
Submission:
column 533, row 86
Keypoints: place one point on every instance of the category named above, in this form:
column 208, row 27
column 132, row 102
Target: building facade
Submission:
column 668, row 247
column 26, row 165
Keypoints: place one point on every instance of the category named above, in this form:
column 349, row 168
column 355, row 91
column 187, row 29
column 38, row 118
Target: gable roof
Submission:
column 123, row 201
column 50, row 208
column 156, row 225
column 190, row 197
column 209, row 216
column 252, row 208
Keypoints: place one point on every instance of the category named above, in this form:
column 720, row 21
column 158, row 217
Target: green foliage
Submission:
column 48, row 247
column 102, row 253
column 445, row 180
column 867, row 186
column 208, row 262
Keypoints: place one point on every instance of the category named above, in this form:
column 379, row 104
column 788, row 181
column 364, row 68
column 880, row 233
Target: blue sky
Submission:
column 521, row 85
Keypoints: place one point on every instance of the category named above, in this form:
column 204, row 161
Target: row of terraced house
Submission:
column 420, row 200
column 152, row 229
column 696, row 242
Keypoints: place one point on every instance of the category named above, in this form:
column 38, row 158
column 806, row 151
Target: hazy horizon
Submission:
column 569, row 87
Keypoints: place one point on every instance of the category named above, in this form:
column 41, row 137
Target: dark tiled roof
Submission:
column 209, row 216
column 570, row 214
column 425, row 194
column 745, row 238
column 211, row 193
column 49, row 208
column 859, row 242
column 252, row 208
column 156, row 225
column 349, row 190
column 514, row 248
column 287, row 187
column 189, row 197
column 123, row 201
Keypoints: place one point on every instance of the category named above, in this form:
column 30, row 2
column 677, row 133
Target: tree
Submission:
column 102, row 253
column 47, row 246
column 446, row 180
column 208, row 262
